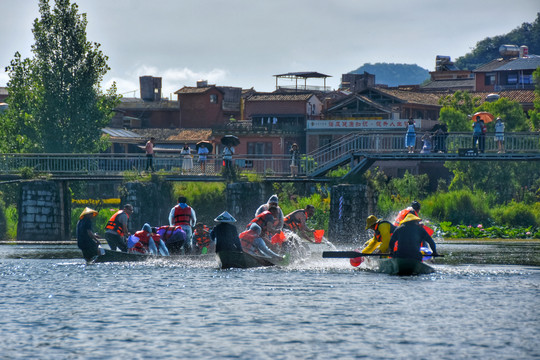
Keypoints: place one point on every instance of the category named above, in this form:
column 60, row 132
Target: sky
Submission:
column 243, row 43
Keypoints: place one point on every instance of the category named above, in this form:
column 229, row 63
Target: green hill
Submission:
column 395, row 74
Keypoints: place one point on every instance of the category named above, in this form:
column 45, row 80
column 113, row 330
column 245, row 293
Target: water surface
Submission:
column 56, row 307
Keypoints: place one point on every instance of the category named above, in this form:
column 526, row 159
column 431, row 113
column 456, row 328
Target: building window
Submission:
column 489, row 79
column 259, row 148
column 512, row 79
column 213, row 99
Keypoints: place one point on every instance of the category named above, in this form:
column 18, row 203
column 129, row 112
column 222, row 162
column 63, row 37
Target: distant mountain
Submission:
column 488, row 49
column 395, row 74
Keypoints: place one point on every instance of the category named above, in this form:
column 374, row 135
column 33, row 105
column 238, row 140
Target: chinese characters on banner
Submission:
column 357, row 124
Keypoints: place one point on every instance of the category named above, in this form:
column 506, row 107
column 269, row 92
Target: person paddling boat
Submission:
column 407, row 239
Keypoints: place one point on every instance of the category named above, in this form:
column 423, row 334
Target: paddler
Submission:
column 147, row 241
column 202, row 243
column 174, row 238
column 252, row 243
column 381, row 238
column 413, row 209
column 225, row 234
column 408, row 238
column 273, row 202
column 183, row 215
column 87, row 241
column 116, row 229
column 296, row 222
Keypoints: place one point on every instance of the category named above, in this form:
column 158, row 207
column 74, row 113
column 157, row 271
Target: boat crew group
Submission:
column 268, row 238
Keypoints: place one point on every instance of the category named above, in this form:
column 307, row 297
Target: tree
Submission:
column 511, row 112
column 534, row 115
column 55, row 100
column 456, row 109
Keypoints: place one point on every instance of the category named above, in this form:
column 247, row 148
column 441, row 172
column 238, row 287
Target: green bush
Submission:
column 207, row 199
column 12, row 218
column 458, row 207
column 517, row 214
column 320, row 200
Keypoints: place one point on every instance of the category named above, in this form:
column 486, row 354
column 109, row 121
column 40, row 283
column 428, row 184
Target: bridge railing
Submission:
column 394, row 142
column 266, row 165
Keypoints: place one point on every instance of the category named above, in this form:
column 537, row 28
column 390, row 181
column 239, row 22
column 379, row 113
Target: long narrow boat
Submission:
column 118, row 256
column 402, row 266
column 240, row 259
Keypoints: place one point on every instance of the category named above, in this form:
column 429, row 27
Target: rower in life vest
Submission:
column 183, row 215
column 147, row 241
column 201, row 239
column 415, row 210
column 174, row 238
column 407, row 239
column 265, row 220
column 279, row 218
column 379, row 242
column 116, row 228
column 253, row 244
column 296, row 222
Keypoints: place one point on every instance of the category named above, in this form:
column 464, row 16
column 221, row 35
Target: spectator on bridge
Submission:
column 410, row 137
column 229, row 171
column 426, row 143
column 149, row 149
column 499, row 135
column 116, row 229
column 187, row 159
column 479, row 134
column 295, row 159
column 202, row 152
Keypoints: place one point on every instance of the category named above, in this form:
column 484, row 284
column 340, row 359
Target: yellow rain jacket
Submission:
column 381, row 238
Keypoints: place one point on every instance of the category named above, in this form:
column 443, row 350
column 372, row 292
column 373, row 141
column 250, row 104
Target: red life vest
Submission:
column 291, row 220
column 403, row 213
column 247, row 239
column 142, row 246
column 260, row 219
column 202, row 239
column 169, row 230
column 113, row 224
column 182, row 216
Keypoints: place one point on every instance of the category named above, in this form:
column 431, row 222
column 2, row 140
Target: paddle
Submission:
column 355, row 254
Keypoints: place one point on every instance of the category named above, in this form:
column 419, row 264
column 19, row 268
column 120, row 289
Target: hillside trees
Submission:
column 55, row 100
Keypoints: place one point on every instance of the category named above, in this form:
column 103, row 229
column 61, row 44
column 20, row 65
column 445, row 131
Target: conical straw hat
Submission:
column 87, row 211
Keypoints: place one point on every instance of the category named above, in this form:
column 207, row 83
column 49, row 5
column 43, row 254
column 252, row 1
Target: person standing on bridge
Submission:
column 295, row 159
column 117, row 229
column 499, row 135
column 149, row 149
column 479, row 134
column 410, row 137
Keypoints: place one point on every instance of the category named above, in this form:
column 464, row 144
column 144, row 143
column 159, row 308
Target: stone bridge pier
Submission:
column 44, row 211
column 350, row 205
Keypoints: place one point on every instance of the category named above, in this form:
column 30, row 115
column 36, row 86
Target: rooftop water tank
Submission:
column 508, row 51
column 492, row 97
column 523, row 51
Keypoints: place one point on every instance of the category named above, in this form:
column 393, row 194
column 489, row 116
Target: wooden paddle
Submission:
column 355, row 254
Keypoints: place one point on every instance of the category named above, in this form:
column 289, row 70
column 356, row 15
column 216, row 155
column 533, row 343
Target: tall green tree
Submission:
column 456, row 108
column 534, row 115
column 56, row 103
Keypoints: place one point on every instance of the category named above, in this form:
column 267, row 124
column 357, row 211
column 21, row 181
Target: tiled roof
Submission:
column 521, row 96
column 528, row 63
column 279, row 97
column 492, row 65
column 412, row 97
column 449, row 84
column 136, row 103
column 175, row 135
column 195, row 89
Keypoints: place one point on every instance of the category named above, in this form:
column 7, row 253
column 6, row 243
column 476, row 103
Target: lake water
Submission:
column 53, row 306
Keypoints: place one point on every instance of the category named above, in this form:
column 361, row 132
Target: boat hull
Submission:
column 117, row 256
column 403, row 266
column 239, row 259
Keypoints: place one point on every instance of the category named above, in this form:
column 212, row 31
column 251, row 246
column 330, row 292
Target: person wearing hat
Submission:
column 381, row 238
column 409, row 237
column 278, row 221
column 87, row 241
column 224, row 234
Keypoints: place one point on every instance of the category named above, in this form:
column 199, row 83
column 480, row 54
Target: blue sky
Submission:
column 244, row 42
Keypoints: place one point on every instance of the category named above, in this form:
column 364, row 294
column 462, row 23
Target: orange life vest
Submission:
column 114, row 225
column 182, row 216
column 292, row 222
column 202, row 239
column 260, row 219
column 247, row 239
column 403, row 213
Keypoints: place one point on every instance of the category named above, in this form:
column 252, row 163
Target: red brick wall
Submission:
column 274, row 107
column 196, row 111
